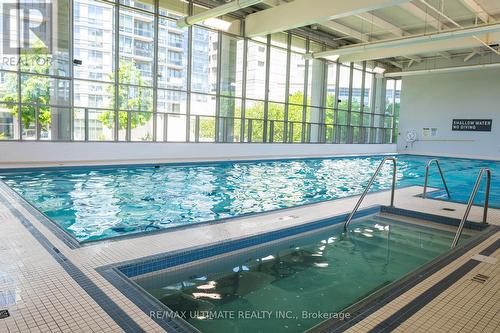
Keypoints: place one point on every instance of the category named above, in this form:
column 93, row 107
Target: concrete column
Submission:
column 227, row 106
column 379, row 107
column 317, row 85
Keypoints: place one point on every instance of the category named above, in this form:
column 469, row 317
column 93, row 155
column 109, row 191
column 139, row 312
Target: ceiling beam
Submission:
column 414, row 58
column 395, row 64
column 487, row 43
column 391, row 28
column 486, row 29
column 381, row 23
column 272, row 3
column 474, row 7
column 442, row 70
column 440, row 13
column 444, row 54
column 345, row 30
column 351, row 33
column 300, row 13
column 406, row 46
column 471, row 55
column 484, row 41
column 402, row 51
column 422, row 14
column 355, row 34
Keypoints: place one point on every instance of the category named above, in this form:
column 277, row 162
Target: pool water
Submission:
column 93, row 203
column 321, row 273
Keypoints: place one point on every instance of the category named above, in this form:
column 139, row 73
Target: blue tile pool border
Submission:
column 432, row 218
column 175, row 258
column 120, row 274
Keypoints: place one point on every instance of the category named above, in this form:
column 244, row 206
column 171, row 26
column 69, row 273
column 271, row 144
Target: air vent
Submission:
column 480, row 278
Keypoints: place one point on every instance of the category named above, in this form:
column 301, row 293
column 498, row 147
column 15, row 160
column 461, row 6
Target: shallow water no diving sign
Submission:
column 4, row 314
column 474, row 125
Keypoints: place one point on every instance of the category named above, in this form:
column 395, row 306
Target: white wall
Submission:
column 13, row 154
column 433, row 100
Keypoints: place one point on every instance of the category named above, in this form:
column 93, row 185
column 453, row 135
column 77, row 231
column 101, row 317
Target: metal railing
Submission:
column 471, row 202
column 370, row 183
column 427, row 167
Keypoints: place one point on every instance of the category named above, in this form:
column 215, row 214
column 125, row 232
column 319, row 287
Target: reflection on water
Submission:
column 102, row 203
column 324, row 273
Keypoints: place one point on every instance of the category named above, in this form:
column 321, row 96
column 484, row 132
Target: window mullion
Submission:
column 304, row 99
column 218, row 87
column 156, row 25
column 117, row 71
column 244, row 89
column 266, row 89
column 349, row 104
column 71, row 72
column 287, row 86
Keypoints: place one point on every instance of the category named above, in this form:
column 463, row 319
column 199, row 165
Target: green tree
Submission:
column 35, row 90
column 276, row 112
column 388, row 111
column 140, row 102
column 295, row 114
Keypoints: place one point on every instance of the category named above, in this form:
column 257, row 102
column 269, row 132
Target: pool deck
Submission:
column 48, row 286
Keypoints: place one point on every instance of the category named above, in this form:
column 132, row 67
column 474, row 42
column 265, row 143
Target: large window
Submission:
column 231, row 71
column 204, row 61
column 277, row 74
column 296, row 88
column 392, row 106
column 137, row 68
column 256, row 70
column 94, row 35
column 123, row 71
column 172, row 56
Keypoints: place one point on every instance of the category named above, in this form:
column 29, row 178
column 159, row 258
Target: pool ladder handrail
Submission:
column 367, row 188
column 427, row 167
column 471, row 202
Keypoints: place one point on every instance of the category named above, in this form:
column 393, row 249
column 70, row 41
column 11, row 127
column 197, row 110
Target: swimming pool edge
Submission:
column 377, row 300
column 115, row 274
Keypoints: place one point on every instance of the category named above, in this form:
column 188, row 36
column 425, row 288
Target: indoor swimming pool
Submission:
column 291, row 285
column 95, row 203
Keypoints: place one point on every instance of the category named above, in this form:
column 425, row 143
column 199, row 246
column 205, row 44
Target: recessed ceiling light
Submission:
column 379, row 70
column 217, row 24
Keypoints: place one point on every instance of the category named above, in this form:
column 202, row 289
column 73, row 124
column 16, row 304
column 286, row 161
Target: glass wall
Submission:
column 392, row 106
column 123, row 71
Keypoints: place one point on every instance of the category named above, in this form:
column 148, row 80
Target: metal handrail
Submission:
column 393, row 159
column 427, row 167
column 471, row 202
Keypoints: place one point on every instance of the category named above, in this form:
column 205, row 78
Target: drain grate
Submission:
column 481, row 278
column 4, row 314
column 449, row 209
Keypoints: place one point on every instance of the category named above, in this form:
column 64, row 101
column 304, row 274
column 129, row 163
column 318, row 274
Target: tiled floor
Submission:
column 49, row 287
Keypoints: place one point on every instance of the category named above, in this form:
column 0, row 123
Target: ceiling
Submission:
column 401, row 34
